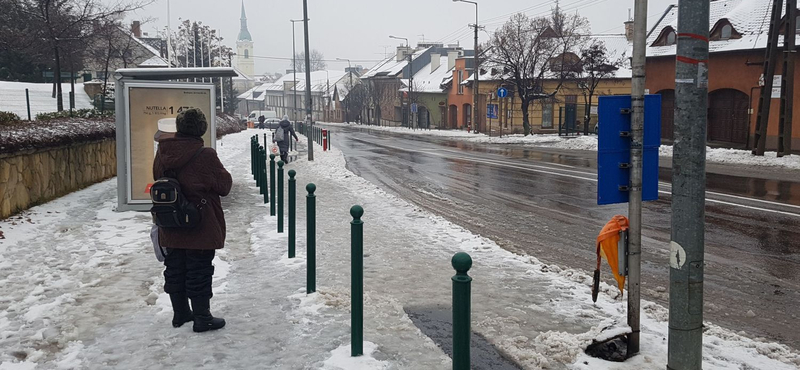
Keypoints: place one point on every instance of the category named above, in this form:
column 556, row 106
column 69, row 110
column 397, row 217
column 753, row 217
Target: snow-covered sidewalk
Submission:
column 589, row 143
column 80, row 289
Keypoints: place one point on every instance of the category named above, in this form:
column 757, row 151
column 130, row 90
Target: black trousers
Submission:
column 189, row 271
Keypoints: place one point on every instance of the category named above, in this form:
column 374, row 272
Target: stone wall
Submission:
column 37, row 176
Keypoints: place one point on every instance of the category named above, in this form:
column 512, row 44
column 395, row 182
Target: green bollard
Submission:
column 357, row 282
column 252, row 158
column 272, row 184
column 265, row 190
column 311, row 241
column 461, row 310
column 280, row 196
column 262, row 178
column 292, row 201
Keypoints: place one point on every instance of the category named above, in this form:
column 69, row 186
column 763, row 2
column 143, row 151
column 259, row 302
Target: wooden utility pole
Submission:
column 787, row 81
column 765, row 99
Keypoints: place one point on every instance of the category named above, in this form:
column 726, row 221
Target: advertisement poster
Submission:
column 149, row 103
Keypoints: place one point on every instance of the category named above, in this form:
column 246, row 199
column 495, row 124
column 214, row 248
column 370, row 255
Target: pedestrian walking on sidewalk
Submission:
column 190, row 251
column 283, row 134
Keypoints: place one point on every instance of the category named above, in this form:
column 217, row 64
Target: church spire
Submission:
column 244, row 34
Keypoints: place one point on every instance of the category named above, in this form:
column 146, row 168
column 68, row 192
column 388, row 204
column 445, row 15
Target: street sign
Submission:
column 502, row 92
column 491, row 110
column 614, row 148
column 413, row 107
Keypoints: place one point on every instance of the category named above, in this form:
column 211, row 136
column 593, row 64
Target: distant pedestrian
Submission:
column 190, row 251
column 261, row 120
column 283, row 134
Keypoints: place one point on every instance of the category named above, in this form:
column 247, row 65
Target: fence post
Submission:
column 280, row 196
column 461, row 310
column 271, row 184
column 292, row 201
column 263, row 162
column 261, row 179
column 28, row 102
column 357, row 282
column 311, row 242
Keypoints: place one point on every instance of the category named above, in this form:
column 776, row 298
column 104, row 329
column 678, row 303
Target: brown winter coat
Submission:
column 203, row 178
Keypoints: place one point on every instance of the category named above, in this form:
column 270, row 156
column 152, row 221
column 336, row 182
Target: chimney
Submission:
column 136, row 29
column 402, row 53
column 436, row 61
column 451, row 59
column 629, row 31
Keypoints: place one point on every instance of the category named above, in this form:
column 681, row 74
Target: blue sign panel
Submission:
column 491, row 110
column 614, row 148
column 502, row 92
column 413, row 107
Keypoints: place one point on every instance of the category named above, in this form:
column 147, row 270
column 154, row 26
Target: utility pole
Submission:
column 169, row 38
column 765, row 98
column 787, row 83
column 476, row 72
column 294, row 74
column 308, row 80
column 221, row 80
column 685, row 346
column 635, row 192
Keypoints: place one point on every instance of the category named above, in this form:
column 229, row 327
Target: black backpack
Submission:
column 170, row 208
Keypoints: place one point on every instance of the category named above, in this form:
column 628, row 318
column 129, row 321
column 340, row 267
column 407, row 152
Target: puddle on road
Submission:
column 437, row 323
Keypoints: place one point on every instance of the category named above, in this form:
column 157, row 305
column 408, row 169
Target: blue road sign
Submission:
column 614, row 148
column 502, row 92
column 413, row 107
column 491, row 110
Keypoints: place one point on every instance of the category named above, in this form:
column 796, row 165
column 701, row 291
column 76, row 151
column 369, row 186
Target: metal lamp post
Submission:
column 350, row 74
column 475, row 91
column 410, row 78
column 294, row 73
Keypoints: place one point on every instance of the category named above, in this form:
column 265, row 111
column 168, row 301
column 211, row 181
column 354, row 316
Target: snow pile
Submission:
column 405, row 130
column 742, row 157
column 12, row 98
column 79, row 287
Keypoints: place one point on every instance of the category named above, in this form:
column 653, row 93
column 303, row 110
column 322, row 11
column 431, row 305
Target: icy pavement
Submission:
column 80, row 289
column 714, row 155
column 12, row 98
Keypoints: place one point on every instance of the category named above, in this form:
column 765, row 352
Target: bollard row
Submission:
column 461, row 262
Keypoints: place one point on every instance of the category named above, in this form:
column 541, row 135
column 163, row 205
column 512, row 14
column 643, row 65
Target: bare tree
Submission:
column 317, row 61
column 63, row 25
column 531, row 51
column 597, row 66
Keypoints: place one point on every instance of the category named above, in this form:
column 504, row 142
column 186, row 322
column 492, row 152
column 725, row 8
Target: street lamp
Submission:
column 294, row 72
column 350, row 74
column 475, row 114
column 410, row 78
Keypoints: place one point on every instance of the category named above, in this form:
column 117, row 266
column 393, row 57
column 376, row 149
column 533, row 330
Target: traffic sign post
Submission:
column 491, row 111
column 502, row 92
column 613, row 152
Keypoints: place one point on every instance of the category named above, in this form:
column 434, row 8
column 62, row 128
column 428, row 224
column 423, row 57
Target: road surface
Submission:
column 542, row 203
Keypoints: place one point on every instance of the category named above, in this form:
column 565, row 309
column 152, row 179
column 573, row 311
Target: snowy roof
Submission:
column 391, row 66
column 321, row 81
column 430, row 81
column 154, row 61
column 749, row 18
column 242, row 75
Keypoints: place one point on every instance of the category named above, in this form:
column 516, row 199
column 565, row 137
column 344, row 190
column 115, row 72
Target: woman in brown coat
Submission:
column 203, row 181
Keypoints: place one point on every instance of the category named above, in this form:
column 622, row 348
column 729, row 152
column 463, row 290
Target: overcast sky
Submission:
column 360, row 29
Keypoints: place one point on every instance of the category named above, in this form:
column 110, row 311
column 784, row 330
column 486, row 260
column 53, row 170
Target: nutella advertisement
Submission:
column 152, row 109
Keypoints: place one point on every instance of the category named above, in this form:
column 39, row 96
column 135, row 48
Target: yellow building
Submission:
column 566, row 107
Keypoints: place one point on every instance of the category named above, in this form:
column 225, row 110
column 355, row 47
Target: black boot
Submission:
column 203, row 321
column 180, row 308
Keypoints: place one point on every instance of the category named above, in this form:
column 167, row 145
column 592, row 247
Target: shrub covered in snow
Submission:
column 227, row 124
column 8, row 118
column 81, row 113
column 51, row 133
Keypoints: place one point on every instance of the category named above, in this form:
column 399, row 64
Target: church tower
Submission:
column 244, row 48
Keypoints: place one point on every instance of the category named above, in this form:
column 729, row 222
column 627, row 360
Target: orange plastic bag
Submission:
column 607, row 246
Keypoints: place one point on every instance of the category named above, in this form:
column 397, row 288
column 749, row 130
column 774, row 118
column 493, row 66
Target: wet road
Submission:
column 543, row 203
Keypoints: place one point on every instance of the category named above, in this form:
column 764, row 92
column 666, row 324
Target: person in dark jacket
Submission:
column 203, row 181
column 261, row 120
column 288, row 133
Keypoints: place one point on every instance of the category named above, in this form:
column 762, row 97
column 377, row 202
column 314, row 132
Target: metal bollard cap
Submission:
column 311, row 188
column 280, row 164
column 356, row 211
column 461, row 262
column 292, row 173
column 271, row 156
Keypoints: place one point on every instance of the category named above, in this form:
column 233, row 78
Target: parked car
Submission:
column 272, row 123
column 252, row 118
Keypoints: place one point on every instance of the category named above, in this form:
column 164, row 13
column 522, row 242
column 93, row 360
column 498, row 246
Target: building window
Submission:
column 671, row 38
column 246, row 54
column 725, row 34
column 547, row 114
column 460, row 78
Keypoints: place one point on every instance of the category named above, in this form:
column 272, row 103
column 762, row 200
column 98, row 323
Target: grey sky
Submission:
column 359, row 29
